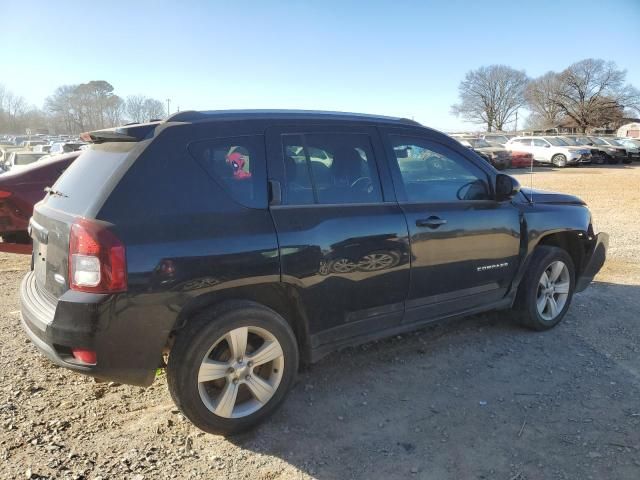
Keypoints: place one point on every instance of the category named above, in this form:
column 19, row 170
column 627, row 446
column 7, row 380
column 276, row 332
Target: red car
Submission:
column 521, row 159
column 19, row 192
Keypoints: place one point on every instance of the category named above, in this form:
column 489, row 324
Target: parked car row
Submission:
column 16, row 153
column 505, row 151
column 28, row 141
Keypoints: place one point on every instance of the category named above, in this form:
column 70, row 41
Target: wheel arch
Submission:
column 282, row 298
column 572, row 241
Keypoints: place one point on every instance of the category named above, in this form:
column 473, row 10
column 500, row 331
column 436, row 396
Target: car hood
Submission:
column 542, row 196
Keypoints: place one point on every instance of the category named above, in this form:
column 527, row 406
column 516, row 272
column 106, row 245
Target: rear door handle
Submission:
column 431, row 222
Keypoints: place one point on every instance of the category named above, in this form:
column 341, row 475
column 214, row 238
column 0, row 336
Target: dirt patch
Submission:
column 476, row 398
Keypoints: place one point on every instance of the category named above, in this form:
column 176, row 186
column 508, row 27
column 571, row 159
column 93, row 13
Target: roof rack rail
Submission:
column 194, row 115
column 410, row 121
column 186, row 116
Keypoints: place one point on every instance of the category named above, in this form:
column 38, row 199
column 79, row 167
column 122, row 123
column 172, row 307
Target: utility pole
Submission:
column 168, row 107
column 516, row 126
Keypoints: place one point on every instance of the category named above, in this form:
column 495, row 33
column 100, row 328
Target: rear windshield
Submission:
column 26, row 158
column 82, row 182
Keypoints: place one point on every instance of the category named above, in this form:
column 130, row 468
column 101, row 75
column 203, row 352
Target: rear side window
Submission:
column 237, row 164
column 330, row 168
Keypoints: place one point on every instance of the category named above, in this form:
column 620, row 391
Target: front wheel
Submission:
column 545, row 293
column 231, row 367
column 559, row 161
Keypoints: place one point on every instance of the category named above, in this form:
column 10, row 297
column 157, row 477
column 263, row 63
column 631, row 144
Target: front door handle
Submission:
column 431, row 222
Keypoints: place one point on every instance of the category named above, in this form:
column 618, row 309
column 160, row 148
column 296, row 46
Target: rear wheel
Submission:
column 545, row 293
column 230, row 368
column 559, row 160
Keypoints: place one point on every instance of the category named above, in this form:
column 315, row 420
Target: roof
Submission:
column 195, row 116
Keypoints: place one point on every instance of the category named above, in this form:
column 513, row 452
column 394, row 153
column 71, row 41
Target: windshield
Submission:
column 496, row 138
column 597, row 141
column 611, row 141
column 571, row 141
column 556, row 141
column 478, row 143
column 26, row 158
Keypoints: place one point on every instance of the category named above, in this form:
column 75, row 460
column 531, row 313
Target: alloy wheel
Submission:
column 241, row 372
column 553, row 290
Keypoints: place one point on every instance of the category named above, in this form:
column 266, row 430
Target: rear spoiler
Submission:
column 127, row 133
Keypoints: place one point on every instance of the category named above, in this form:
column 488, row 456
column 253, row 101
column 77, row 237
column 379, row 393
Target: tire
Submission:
column 612, row 160
column 531, row 290
column 207, row 336
column 559, row 160
column 17, row 237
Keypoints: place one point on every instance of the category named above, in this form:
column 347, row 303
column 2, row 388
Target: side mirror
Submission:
column 547, row 146
column 506, row 187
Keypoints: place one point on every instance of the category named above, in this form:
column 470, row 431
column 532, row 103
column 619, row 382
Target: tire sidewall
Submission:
column 198, row 337
column 543, row 257
column 559, row 160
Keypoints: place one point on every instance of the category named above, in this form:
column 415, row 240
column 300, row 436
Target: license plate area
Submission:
column 40, row 262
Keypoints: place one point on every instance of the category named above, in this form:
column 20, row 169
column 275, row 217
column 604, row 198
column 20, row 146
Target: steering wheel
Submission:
column 468, row 185
column 364, row 183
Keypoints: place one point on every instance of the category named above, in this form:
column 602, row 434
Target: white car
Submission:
column 550, row 150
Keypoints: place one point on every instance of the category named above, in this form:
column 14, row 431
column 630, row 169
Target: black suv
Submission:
column 232, row 246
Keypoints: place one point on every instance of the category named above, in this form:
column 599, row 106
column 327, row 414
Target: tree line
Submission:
column 588, row 94
column 77, row 108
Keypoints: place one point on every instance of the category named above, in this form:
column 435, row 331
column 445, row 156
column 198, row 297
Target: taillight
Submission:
column 97, row 260
column 4, row 194
column 85, row 356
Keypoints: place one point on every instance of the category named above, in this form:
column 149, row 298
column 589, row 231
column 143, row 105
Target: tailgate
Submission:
column 49, row 230
column 78, row 193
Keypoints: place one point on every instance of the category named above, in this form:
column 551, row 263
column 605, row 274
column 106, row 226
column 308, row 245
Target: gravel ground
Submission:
column 477, row 398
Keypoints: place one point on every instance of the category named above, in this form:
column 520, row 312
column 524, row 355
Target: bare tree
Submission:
column 154, row 109
column 15, row 108
column 592, row 92
column 62, row 105
column 491, row 95
column 135, row 108
column 87, row 106
column 540, row 96
column 142, row 109
column 114, row 110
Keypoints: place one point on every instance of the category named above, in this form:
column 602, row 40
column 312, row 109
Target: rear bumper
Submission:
column 84, row 320
column 594, row 260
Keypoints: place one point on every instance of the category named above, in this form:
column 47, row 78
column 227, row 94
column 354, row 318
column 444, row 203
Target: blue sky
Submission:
column 400, row 58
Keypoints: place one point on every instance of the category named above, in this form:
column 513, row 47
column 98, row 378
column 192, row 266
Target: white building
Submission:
column 629, row 130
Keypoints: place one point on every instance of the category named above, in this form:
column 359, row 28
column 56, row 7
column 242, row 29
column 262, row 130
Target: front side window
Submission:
column 329, row 168
column 433, row 173
column 237, row 164
column 537, row 142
